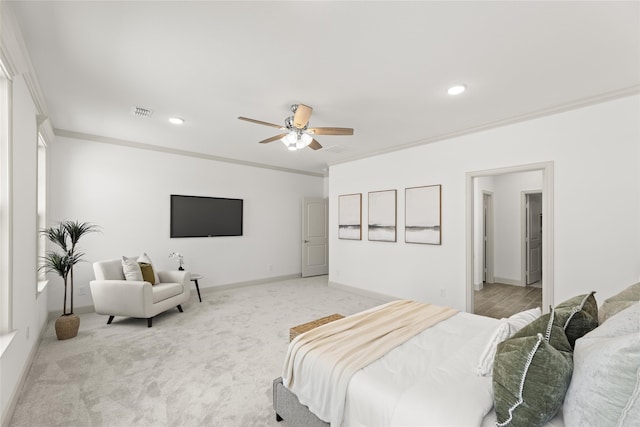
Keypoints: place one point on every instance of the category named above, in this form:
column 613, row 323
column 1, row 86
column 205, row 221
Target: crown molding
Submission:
column 581, row 103
column 15, row 56
column 45, row 128
column 174, row 151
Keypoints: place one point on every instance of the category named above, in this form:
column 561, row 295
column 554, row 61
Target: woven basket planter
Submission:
column 67, row 326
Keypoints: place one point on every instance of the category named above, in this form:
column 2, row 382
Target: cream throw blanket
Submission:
column 321, row 362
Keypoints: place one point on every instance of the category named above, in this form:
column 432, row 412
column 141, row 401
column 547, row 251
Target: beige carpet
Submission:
column 210, row 366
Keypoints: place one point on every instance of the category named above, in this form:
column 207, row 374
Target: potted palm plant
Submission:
column 66, row 235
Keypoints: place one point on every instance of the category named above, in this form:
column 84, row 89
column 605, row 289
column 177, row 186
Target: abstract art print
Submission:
column 350, row 216
column 382, row 216
column 423, row 215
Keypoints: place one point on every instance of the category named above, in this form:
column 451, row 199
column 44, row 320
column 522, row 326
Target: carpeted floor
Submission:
column 212, row 365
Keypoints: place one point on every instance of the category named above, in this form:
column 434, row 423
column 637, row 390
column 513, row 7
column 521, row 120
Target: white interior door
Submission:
column 487, row 238
column 533, row 238
column 315, row 240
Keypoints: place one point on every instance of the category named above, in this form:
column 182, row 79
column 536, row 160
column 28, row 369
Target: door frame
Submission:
column 547, row 231
column 488, row 253
column 523, row 232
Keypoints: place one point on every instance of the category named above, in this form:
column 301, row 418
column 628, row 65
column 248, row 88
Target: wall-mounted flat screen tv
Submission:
column 196, row 216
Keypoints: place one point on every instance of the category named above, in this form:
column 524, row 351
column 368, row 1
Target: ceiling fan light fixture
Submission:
column 298, row 134
column 289, row 139
column 303, row 141
column 457, row 89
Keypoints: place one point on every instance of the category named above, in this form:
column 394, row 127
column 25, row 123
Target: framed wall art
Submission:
column 382, row 216
column 423, row 215
column 350, row 216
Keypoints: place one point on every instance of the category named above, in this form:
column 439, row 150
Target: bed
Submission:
column 444, row 374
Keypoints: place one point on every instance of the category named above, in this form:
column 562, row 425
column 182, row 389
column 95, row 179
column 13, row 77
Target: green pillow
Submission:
column 530, row 379
column 147, row 272
column 621, row 301
column 551, row 327
column 579, row 315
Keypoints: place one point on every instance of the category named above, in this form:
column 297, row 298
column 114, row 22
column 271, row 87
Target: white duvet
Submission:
column 431, row 380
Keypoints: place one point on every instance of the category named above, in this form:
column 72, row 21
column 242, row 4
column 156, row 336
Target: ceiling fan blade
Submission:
column 273, row 138
column 260, row 122
column 330, row 131
column 301, row 116
column 315, row 145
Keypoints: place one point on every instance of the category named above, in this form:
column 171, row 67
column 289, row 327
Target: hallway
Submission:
column 499, row 300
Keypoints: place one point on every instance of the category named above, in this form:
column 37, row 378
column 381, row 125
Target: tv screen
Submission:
column 195, row 216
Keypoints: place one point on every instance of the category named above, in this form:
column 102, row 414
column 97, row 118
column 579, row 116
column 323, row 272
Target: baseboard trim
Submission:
column 17, row 391
column 507, row 281
column 362, row 292
column 237, row 285
column 52, row 315
column 203, row 291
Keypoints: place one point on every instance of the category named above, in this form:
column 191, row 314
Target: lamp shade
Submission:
column 289, row 139
column 303, row 141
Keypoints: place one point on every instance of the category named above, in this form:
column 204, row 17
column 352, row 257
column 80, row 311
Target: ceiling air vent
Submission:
column 141, row 112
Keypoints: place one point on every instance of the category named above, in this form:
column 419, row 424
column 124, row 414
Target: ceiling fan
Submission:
column 298, row 134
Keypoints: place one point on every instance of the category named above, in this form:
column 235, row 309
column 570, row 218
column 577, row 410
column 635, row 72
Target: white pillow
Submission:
column 522, row 319
column 605, row 386
column 485, row 366
column 131, row 269
column 506, row 329
column 145, row 258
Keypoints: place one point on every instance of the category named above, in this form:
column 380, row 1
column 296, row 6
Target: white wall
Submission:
column 595, row 151
column 29, row 309
column 126, row 191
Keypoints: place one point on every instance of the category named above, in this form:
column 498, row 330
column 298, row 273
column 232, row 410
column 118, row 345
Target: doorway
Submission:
column 487, row 239
column 532, row 238
column 475, row 231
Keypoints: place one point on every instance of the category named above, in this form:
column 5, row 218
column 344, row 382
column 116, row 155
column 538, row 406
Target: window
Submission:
column 41, row 209
column 5, row 202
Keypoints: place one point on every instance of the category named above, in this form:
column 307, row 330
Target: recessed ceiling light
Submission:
column 457, row 89
column 176, row 120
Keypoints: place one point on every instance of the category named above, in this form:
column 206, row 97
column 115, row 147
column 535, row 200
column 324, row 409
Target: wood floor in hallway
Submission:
column 499, row 300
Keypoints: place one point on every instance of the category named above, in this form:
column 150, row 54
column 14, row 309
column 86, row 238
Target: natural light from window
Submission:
column 42, row 210
column 5, row 199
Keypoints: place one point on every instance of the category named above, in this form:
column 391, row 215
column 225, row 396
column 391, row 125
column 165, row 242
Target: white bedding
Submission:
column 431, row 380
column 320, row 363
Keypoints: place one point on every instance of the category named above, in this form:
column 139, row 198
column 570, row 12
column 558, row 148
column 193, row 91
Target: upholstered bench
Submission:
column 297, row 330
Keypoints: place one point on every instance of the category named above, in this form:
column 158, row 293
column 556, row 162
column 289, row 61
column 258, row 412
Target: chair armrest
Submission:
column 175, row 276
column 122, row 297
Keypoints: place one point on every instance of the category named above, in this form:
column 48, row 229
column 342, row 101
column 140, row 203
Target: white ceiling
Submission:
column 382, row 68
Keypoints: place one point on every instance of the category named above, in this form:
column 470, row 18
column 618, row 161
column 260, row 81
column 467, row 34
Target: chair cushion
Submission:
column 162, row 291
column 109, row 270
column 131, row 269
column 145, row 258
column 147, row 272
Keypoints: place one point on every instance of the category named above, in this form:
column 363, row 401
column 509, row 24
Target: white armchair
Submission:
column 113, row 295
